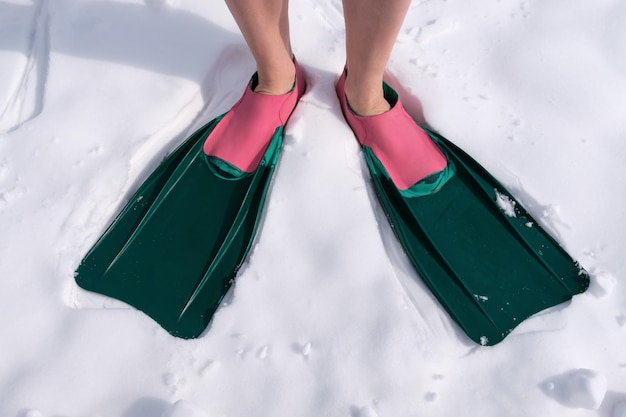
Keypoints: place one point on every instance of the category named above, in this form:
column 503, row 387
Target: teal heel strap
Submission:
column 229, row 172
column 224, row 170
column 431, row 184
column 427, row 186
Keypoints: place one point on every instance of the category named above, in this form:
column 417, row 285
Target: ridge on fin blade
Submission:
column 491, row 267
column 175, row 248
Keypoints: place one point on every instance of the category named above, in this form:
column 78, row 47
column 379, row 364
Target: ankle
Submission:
column 276, row 81
column 364, row 101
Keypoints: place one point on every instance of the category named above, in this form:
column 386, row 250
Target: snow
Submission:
column 327, row 318
column 580, row 388
column 505, row 203
column 184, row 409
column 619, row 410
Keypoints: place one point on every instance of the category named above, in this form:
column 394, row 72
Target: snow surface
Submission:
column 327, row 318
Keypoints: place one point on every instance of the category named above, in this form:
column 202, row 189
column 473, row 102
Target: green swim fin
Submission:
column 488, row 262
column 176, row 247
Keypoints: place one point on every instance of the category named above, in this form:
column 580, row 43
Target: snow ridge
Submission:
column 28, row 99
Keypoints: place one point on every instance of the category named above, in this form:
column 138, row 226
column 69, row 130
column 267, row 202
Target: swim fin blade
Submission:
column 486, row 260
column 176, row 247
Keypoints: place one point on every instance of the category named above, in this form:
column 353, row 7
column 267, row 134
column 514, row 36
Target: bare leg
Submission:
column 371, row 30
column 405, row 150
column 265, row 27
column 239, row 141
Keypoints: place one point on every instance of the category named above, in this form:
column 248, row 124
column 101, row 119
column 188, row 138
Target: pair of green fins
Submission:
column 176, row 247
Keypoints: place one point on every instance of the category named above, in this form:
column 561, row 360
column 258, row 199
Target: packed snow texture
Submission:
column 327, row 318
column 184, row 409
column 619, row 410
column 506, row 204
column 580, row 388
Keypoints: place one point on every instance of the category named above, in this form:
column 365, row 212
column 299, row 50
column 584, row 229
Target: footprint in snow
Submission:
column 206, row 368
column 363, row 412
column 304, row 350
column 578, row 388
column 431, row 397
column 174, row 382
column 602, row 284
column 184, row 409
column 263, row 352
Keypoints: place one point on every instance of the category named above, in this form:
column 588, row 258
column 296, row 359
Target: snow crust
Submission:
column 327, row 318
